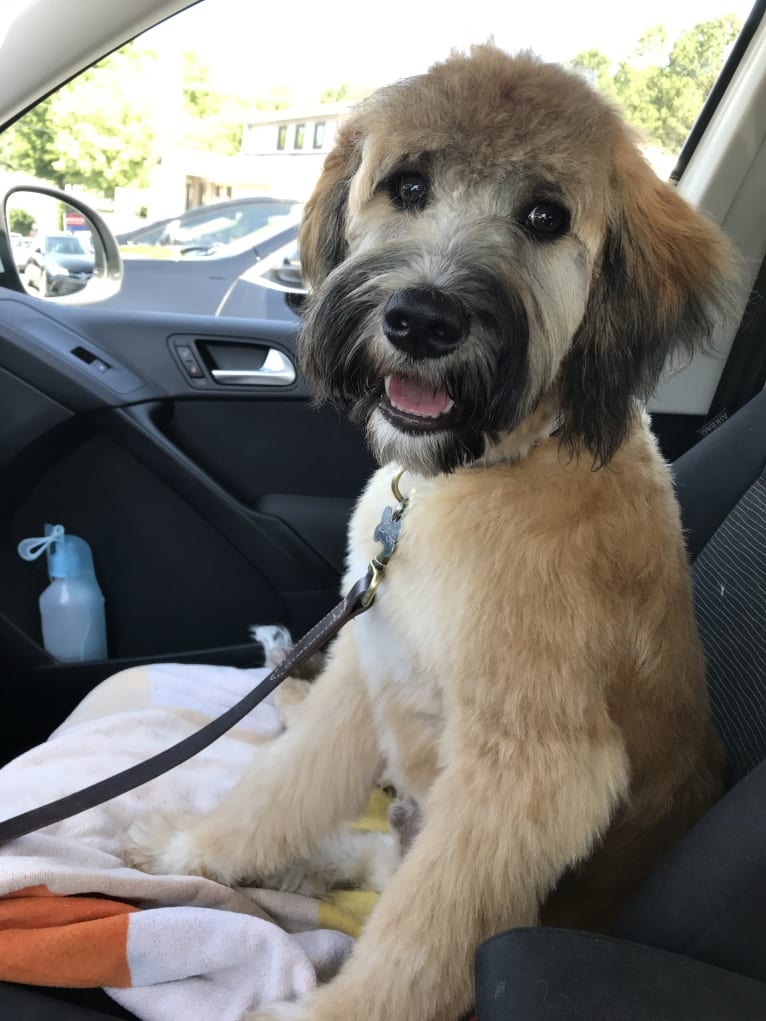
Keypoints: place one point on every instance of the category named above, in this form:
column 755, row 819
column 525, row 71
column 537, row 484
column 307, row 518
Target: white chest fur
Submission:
column 393, row 642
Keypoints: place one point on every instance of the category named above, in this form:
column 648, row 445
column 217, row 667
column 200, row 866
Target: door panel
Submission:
column 209, row 507
column 171, row 581
column 274, row 446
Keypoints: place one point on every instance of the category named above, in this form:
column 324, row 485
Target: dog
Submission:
column 497, row 279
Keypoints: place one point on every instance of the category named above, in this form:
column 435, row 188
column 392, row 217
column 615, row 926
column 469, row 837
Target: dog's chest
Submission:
column 395, row 647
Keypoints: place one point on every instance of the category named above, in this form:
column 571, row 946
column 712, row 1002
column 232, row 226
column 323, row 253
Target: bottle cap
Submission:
column 69, row 556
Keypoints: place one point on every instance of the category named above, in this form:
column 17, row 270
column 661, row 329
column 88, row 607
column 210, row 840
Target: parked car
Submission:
column 195, row 260
column 215, row 497
column 149, row 234
column 205, row 278
column 20, row 246
column 199, row 229
column 58, row 264
column 271, row 288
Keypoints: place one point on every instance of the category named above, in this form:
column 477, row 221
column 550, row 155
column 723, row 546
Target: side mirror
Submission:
column 66, row 253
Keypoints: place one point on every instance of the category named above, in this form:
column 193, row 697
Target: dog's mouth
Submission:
column 415, row 406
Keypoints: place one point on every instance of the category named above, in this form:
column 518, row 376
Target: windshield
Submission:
column 226, row 225
column 63, row 246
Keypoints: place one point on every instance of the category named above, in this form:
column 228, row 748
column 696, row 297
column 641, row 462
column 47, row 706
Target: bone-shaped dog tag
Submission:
column 387, row 533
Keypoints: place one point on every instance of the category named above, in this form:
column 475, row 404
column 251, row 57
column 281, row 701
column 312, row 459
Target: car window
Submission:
column 199, row 146
column 223, row 225
column 63, row 246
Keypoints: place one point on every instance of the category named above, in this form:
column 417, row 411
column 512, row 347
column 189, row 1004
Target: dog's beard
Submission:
column 346, row 357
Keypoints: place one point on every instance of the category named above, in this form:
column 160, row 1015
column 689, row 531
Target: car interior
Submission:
column 215, row 496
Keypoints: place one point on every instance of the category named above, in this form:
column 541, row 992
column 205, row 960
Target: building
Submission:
column 288, row 147
column 281, row 155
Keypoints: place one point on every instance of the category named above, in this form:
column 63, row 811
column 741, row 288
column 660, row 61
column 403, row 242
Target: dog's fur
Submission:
column 530, row 671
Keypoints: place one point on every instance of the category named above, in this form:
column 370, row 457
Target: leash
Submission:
column 357, row 600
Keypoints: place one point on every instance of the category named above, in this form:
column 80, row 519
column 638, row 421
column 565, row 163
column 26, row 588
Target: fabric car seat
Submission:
column 692, row 944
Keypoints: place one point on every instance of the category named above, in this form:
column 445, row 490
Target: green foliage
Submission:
column 211, row 120
column 103, row 130
column 278, row 98
column 21, row 221
column 106, row 123
column 662, row 88
column 30, row 145
column 344, row 93
column 97, row 131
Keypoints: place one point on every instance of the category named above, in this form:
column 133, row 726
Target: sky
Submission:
column 253, row 45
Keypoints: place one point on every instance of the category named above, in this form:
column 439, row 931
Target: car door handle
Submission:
column 276, row 369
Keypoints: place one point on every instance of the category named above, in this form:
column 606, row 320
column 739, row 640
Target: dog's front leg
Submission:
column 298, row 789
column 502, row 823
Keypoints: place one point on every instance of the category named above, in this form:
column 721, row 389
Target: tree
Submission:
column 662, row 89
column 97, row 130
column 212, row 120
column 30, row 145
column 344, row 93
column 278, row 98
column 595, row 66
column 105, row 122
column 21, row 221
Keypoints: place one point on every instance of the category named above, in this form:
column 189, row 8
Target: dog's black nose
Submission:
column 423, row 323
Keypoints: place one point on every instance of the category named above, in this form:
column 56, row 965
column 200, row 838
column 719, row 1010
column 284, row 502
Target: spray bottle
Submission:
column 72, row 606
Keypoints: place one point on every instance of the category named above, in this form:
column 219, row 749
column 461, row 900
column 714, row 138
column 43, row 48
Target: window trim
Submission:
column 716, row 94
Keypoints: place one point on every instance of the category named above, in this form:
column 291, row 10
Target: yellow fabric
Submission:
column 375, row 819
column 348, row 910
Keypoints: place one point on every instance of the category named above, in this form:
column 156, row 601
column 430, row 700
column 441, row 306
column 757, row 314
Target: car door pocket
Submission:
column 236, row 364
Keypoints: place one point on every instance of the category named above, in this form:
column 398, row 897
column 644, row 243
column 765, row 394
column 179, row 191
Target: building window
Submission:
column 319, row 134
column 281, row 136
column 300, row 131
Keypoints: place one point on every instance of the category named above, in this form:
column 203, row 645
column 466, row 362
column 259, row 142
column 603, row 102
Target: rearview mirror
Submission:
column 60, row 248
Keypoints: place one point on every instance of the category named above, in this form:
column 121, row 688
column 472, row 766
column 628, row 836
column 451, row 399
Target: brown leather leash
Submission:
column 357, row 600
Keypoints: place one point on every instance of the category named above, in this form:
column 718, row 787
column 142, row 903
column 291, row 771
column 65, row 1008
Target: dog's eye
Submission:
column 408, row 189
column 546, row 220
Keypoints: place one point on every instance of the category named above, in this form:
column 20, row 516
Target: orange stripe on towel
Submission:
column 48, row 939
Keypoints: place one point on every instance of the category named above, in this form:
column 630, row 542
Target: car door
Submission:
column 185, row 451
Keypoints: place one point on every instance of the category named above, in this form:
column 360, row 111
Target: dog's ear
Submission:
column 322, row 234
column 663, row 286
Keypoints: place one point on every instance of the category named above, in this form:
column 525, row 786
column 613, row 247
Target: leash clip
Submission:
column 387, row 534
column 375, row 574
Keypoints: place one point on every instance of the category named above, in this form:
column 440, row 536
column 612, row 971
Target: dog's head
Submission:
column 484, row 240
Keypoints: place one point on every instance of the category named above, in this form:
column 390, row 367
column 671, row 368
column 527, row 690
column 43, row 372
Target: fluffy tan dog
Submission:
column 497, row 279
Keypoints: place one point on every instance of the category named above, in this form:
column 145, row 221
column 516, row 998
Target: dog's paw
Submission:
column 275, row 639
column 167, row 845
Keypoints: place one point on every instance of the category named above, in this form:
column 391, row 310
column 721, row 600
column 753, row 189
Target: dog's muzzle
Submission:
column 424, row 323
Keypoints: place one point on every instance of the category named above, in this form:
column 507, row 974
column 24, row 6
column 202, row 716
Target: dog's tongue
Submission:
column 418, row 399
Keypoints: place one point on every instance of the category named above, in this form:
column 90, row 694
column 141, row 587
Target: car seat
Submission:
column 692, row 944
